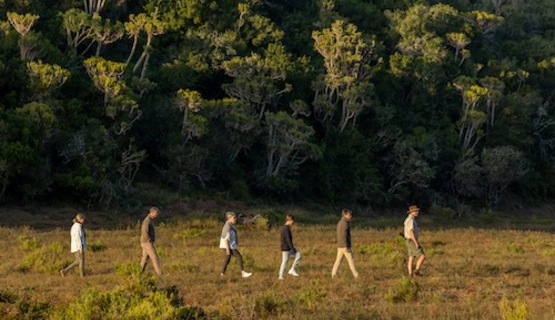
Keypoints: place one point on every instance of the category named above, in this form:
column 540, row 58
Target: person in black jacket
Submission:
column 344, row 243
column 288, row 249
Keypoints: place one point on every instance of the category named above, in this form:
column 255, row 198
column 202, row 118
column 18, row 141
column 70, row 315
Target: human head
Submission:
column 347, row 214
column 231, row 217
column 79, row 218
column 413, row 210
column 289, row 219
column 154, row 212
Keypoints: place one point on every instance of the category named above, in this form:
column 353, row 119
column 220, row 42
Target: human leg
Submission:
column 227, row 259
column 75, row 263
column 81, row 263
column 296, row 262
column 338, row 259
column 150, row 251
column 238, row 257
column 409, row 265
column 419, row 263
column 144, row 258
column 284, row 260
column 350, row 260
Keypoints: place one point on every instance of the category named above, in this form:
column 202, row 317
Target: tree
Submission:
column 193, row 125
column 502, row 166
column 45, row 78
column 349, row 61
column 259, row 79
column 28, row 41
column 106, row 76
column 288, row 143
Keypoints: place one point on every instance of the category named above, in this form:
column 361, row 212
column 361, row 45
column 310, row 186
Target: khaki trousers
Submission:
column 344, row 252
column 150, row 252
column 79, row 261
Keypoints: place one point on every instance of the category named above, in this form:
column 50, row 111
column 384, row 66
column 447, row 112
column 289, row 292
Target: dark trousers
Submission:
column 227, row 259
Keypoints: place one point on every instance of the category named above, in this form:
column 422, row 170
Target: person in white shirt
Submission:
column 414, row 248
column 230, row 243
column 78, row 245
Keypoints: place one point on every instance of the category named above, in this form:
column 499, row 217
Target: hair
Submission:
column 154, row 209
column 289, row 217
column 230, row 214
column 78, row 217
column 346, row 211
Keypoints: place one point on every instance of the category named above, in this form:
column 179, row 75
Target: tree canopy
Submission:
column 338, row 101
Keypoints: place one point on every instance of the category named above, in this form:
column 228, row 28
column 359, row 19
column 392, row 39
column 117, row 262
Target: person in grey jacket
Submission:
column 148, row 236
column 344, row 243
column 230, row 243
column 78, row 245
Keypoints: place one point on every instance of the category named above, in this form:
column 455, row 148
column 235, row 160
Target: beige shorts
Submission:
column 413, row 251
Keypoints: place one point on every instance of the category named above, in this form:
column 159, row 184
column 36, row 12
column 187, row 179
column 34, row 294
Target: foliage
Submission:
column 400, row 101
column 513, row 310
column 405, row 290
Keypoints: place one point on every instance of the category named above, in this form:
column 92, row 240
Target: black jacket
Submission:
column 286, row 238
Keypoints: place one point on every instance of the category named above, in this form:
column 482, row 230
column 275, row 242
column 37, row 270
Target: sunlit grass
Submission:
column 469, row 274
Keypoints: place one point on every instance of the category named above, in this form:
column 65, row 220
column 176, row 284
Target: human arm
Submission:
column 412, row 237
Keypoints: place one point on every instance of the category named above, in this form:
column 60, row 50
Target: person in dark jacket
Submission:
column 344, row 243
column 148, row 236
column 288, row 249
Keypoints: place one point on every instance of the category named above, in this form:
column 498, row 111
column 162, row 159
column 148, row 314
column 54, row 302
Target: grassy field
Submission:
column 470, row 273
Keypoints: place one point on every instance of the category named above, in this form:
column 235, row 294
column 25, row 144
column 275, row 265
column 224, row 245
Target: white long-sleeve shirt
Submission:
column 78, row 241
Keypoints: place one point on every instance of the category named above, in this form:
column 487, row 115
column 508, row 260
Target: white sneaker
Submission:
column 293, row 273
column 246, row 274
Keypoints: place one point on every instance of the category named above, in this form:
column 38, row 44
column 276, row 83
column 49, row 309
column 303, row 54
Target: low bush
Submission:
column 405, row 290
column 44, row 258
column 513, row 310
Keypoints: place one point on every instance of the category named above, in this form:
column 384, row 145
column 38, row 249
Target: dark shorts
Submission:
column 413, row 251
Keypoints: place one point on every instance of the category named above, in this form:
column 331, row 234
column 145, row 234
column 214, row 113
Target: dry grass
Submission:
column 468, row 273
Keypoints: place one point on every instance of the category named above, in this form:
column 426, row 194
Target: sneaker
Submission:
column 245, row 274
column 293, row 273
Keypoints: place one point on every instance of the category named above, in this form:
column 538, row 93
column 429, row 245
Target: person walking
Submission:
column 344, row 243
column 288, row 249
column 230, row 243
column 414, row 248
column 78, row 245
column 148, row 236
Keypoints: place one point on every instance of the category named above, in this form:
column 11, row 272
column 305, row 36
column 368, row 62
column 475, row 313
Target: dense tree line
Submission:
column 341, row 101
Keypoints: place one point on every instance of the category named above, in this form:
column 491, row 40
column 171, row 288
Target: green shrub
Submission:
column 189, row 233
column 513, row 310
column 96, row 246
column 267, row 304
column 386, row 253
column 28, row 244
column 405, row 290
column 44, row 258
column 190, row 313
column 139, row 300
column 311, row 296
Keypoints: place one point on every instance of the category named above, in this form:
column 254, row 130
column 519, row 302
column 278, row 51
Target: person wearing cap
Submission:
column 344, row 243
column 148, row 236
column 230, row 243
column 288, row 249
column 78, row 245
column 415, row 250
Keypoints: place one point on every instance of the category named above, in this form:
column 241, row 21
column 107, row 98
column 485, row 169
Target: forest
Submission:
column 373, row 103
